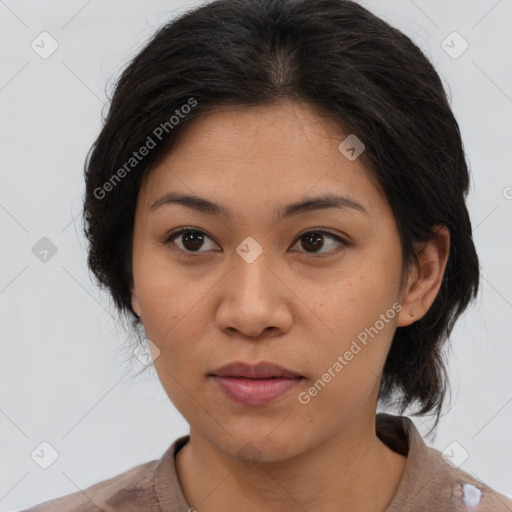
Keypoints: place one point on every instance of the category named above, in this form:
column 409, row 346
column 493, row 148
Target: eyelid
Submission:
column 176, row 233
column 169, row 238
column 323, row 231
column 340, row 239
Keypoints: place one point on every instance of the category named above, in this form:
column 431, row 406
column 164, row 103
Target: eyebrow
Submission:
column 203, row 205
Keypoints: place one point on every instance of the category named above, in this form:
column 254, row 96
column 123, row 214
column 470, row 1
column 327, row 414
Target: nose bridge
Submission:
column 251, row 275
column 251, row 301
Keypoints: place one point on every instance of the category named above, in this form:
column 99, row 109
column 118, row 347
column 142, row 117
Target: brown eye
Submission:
column 189, row 240
column 314, row 241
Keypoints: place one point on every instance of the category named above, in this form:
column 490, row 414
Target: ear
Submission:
column 425, row 279
column 135, row 302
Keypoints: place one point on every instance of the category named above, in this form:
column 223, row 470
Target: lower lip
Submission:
column 255, row 391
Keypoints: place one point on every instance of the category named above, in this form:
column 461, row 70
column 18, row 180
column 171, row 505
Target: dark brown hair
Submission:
column 349, row 65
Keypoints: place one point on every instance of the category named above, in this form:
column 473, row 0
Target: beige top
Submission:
column 428, row 482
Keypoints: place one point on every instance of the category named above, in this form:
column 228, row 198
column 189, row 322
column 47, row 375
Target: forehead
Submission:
column 262, row 155
column 287, row 132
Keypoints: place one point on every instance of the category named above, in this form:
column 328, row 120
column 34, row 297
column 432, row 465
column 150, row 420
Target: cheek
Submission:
column 350, row 305
column 349, row 357
column 176, row 316
column 174, row 321
column 169, row 296
column 358, row 318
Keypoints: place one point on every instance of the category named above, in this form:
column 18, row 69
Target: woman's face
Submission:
column 259, row 283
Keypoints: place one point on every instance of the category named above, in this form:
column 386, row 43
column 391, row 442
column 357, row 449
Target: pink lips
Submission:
column 257, row 384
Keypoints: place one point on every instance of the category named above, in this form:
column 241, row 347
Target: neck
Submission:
column 351, row 470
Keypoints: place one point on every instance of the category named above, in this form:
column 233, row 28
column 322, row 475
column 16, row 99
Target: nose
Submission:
column 254, row 300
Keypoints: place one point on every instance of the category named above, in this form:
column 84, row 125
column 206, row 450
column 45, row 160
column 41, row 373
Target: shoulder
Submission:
column 463, row 491
column 471, row 494
column 430, row 480
column 128, row 491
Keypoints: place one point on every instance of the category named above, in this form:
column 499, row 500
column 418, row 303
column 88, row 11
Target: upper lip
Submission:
column 261, row 370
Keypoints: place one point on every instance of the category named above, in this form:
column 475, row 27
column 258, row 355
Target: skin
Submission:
column 296, row 305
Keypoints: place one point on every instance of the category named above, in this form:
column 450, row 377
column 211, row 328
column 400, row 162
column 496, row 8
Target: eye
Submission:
column 313, row 240
column 190, row 240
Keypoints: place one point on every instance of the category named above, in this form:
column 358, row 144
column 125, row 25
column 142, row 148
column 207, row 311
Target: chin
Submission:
column 261, row 445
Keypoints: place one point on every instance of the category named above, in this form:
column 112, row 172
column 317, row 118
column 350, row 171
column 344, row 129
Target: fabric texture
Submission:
column 428, row 483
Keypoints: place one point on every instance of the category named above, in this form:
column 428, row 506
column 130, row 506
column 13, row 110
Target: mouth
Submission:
column 255, row 385
column 261, row 370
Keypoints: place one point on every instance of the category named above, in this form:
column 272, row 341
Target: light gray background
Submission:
column 64, row 376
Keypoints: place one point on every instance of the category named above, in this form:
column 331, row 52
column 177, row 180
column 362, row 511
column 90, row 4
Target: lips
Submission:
column 262, row 370
column 255, row 385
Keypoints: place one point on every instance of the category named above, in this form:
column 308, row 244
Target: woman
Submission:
column 277, row 200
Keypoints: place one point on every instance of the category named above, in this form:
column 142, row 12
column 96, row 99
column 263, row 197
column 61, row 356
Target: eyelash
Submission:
column 172, row 236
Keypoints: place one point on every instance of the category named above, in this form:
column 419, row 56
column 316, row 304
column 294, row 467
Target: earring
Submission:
column 411, row 313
